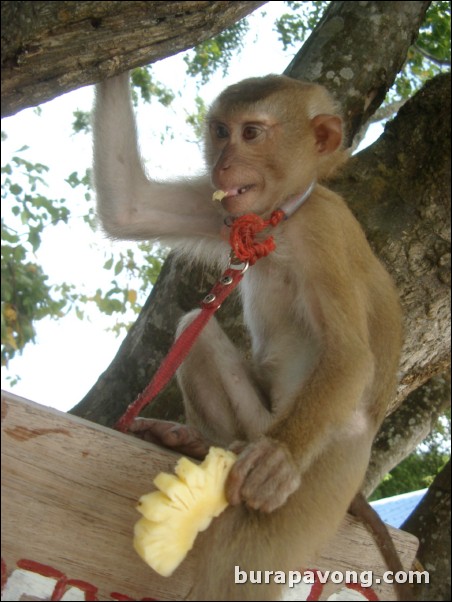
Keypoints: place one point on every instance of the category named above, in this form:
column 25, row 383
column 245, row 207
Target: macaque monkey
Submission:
column 322, row 312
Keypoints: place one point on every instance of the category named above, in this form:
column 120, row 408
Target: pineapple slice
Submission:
column 184, row 505
column 218, row 195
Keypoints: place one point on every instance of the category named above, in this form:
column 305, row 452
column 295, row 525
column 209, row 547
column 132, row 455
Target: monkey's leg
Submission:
column 238, row 556
column 222, row 403
column 221, row 397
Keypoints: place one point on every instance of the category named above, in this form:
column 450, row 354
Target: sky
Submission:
column 69, row 354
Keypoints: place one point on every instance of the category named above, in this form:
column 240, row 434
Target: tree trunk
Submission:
column 430, row 522
column 49, row 48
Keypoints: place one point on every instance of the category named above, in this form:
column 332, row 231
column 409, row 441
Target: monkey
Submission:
column 322, row 312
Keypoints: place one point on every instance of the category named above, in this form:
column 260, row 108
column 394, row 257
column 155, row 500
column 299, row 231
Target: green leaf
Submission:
column 15, row 189
column 119, row 267
column 108, row 264
column 216, row 53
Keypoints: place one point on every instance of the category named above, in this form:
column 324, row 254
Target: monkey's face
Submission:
column 264, row 153
column 240, row 154
column 258, row 160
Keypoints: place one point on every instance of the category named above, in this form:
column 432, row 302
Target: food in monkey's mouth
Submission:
column 219, row 195
column 185, row 504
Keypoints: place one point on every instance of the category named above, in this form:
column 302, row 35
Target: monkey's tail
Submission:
column 360, row 508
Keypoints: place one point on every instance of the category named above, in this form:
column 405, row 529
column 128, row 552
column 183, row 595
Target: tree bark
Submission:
column 49, row 48
column 430, row 522
column 345, row 53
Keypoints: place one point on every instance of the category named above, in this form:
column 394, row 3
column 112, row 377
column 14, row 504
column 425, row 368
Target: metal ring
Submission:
column 226, row 280
column 234, row 263
column 210, row 298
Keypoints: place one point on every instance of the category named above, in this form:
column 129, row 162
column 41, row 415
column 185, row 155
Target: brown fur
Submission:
column 323, row 315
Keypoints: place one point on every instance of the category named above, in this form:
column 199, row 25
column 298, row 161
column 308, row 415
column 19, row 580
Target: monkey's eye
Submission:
column 250, row 132
column 220, row 130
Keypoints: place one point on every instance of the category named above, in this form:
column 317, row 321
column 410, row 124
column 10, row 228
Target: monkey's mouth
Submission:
column 238, row 191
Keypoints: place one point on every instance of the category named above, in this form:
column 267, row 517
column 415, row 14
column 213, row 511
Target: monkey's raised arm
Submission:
column 130, row 205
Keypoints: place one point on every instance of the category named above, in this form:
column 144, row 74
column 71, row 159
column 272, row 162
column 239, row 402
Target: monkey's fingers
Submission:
column 179, row 437
column 263, row 477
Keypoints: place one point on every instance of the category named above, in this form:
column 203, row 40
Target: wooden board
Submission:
column 69, row 490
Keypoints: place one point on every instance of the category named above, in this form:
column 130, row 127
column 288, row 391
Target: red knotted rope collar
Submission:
column 244, row 231
column 246, row 250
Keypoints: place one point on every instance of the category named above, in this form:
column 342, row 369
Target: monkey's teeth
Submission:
column 231, row 192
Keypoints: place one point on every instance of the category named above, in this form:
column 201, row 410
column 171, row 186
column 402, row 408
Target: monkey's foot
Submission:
column 263, row 477
column 179, row 437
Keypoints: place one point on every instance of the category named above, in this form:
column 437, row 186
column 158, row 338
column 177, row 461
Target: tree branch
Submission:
column 430, row 57
column 40, row 41
column 405, row 428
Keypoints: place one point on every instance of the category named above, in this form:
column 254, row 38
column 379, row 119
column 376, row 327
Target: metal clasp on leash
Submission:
column 234, row 263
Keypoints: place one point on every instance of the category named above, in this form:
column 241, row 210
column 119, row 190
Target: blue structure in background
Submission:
column 395, row 510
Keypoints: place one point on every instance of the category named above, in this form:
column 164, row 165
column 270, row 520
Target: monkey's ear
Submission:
column 327, row 132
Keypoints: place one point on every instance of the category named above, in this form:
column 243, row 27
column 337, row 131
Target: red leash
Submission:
column 246, row 250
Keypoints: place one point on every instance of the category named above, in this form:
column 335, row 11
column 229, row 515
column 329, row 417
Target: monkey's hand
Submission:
column 182, row 438
column 264, row 476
